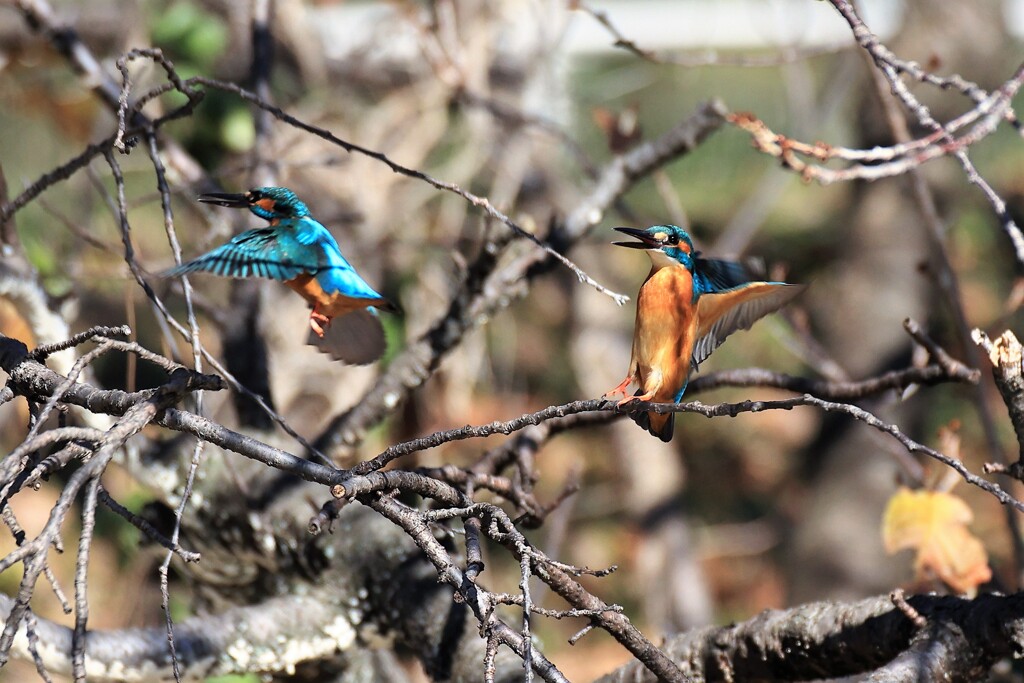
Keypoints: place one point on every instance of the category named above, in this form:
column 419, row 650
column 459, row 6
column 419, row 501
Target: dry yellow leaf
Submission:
column 934, row 523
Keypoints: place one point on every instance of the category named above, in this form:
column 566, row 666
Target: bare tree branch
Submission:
column 411, row 561
column 962, row 640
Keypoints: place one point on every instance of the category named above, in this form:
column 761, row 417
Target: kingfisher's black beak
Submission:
column 646, row 241
column 234, row 201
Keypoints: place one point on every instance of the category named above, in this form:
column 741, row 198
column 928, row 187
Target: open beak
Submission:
column 646, row 241
column 235, row 201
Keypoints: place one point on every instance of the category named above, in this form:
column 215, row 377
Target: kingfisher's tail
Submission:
column 388, row 306
column 660, row 425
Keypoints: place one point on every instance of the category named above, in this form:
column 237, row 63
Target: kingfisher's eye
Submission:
column 672, row 239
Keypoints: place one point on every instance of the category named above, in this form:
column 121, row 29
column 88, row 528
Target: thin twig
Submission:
column 81, row 578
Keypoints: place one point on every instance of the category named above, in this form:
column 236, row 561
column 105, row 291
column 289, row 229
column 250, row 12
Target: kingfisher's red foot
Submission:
column 621, row 389
column 641, row 397
column 318, row 322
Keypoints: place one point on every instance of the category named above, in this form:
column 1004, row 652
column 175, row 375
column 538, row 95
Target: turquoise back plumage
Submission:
column 711, row 276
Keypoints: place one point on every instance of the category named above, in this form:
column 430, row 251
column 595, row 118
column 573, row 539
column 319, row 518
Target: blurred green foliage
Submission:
column 194, row 39
column 190, row 35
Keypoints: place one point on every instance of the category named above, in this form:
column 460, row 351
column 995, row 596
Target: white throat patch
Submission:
column 662, row 260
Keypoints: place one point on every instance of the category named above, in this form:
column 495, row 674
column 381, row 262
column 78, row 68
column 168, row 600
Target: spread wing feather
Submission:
column 723, row 313
column 356, row 338
column 263, row 252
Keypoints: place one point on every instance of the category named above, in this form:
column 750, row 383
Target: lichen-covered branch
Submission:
column 961, row 640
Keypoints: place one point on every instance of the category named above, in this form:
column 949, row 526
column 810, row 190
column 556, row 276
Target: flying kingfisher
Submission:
column 686, row 307
column 297, row 250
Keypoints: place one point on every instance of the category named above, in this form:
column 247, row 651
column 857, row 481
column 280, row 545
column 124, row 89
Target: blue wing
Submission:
column 263, row 252
column 715, row 275
column 282, row 252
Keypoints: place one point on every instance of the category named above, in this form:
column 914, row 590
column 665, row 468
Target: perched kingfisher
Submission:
column 686, row 307
column 297, row 250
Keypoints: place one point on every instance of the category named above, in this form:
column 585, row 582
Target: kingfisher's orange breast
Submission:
column 666, row 329
column 331, row 305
